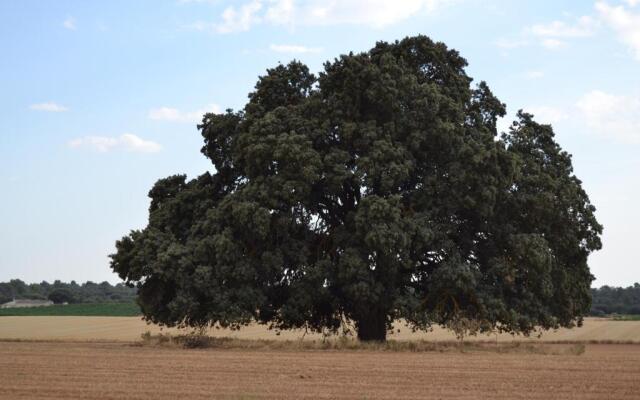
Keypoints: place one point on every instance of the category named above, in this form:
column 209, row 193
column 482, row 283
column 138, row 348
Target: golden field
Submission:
column 130, row 328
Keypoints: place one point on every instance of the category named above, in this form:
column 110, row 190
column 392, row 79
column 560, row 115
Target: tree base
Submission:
column 372, row 329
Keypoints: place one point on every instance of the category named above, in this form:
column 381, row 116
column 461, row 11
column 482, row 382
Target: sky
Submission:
column 99, row 99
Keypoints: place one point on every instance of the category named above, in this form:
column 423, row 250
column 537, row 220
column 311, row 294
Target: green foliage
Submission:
column 377, row 190
column 611, row 300
column 80, row 310
column 16, row 288
column 60, row 292
column 625, row 317
column 61, row 295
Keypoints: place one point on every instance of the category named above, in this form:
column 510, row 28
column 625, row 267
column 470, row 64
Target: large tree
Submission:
column 375, row 191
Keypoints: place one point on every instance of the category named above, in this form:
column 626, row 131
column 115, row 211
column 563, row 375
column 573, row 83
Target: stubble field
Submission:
column 130, row 328
column 102, row 358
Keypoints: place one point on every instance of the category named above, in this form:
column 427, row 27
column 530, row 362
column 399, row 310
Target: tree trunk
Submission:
column 372, row 327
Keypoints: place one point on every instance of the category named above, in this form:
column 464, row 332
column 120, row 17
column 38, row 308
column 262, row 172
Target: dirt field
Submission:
column 122, row 371
column 130, row 329
column 65, row 367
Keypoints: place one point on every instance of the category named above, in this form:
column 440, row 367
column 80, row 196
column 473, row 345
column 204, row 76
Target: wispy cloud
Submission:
column 240, row 19
column 624, row 22
column 584, row 27
column 611, row 115
column 127, row 142
column 288, row 48
column 70, row 23
column 621, row 18
column 175, row 115
column 553, row 35
column 291, row 13
column 48, row 107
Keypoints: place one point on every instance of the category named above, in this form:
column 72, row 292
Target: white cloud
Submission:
column 624, row 22
column 547, row 115
column 584, row 27
column 241, row 19
column 554, row 35
column 534, row 74
column 99, row 143
column 175, row 115
column 615, row 117
column 373, row 13
column 288, row 48
column 127, row 142
column 49, row 107
column 611, row 115
column 132, row 142
column 281, row 12
column 70, row 23
column 622, row 19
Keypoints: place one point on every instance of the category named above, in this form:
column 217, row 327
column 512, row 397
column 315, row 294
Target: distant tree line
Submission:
column 61, row 292
column 606, row 300
column 615, row 300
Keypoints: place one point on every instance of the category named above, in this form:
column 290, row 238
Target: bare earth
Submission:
column 130, row 329
column 94, row 358
column 121, row 371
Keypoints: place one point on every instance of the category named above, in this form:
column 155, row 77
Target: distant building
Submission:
column 26, row 303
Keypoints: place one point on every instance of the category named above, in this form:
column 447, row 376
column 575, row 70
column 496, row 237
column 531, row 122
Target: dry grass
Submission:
column 128, row 329
column 197, row 341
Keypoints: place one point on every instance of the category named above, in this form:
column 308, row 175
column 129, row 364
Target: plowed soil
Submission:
column 121, row 371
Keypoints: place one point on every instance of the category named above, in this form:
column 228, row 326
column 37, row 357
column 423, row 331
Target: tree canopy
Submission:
column 376, row 190
column 60, row 292
column 616, row 300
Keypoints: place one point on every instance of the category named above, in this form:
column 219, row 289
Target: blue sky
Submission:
column 100, row 99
